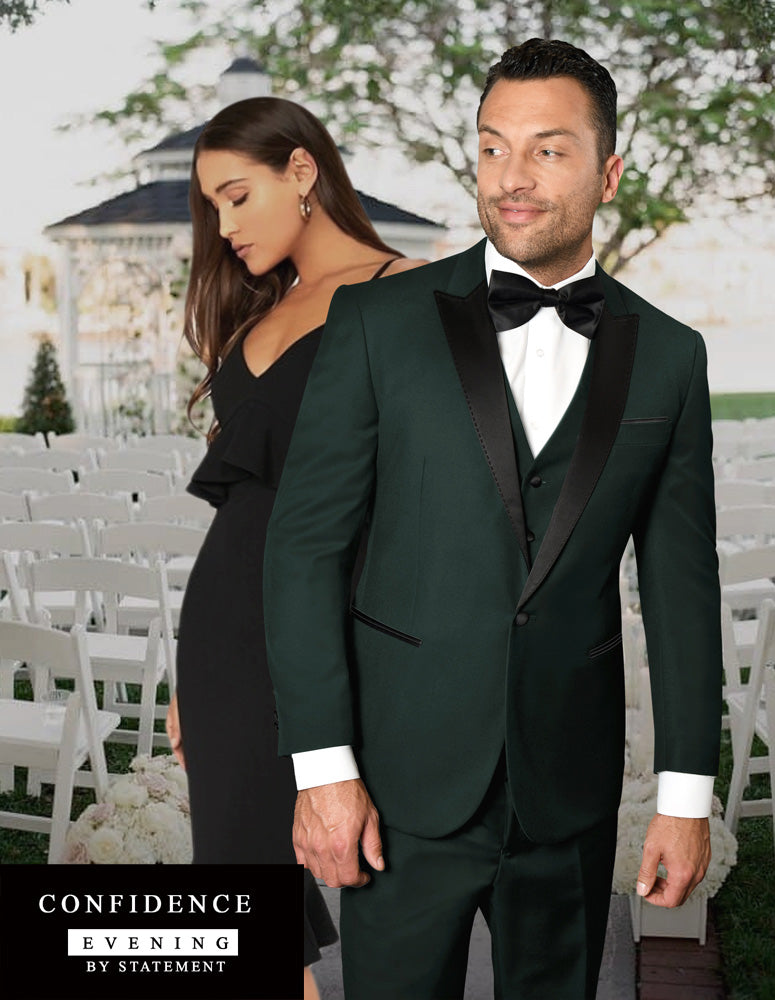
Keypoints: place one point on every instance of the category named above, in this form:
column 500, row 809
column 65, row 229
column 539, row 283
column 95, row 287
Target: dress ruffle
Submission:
column 319, row 929
column 253, row 442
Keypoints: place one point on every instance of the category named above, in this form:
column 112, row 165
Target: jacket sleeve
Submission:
column 313, row 533
column 675, row 545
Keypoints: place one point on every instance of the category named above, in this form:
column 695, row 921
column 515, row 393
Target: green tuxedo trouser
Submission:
column 405, row 935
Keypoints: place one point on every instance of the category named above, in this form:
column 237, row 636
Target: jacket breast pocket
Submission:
column 644, row 431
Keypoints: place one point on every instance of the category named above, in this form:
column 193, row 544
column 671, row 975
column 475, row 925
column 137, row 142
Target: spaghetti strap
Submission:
column 383, row 267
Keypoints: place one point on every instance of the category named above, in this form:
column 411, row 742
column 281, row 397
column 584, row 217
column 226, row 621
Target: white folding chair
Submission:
column 59, row 460
column 744, row 493
column 750, row 716
column 747, row 577
column 117, row 657
column 758, row 468
column 143, row 460
column 729, row 440
column 760, row 445
column 44, row 538
column 23, row 442
column 145, row 541
column 186, row 446
column 58, row 744
column 13, row 507
column 39, row 480
column 179, row 508
column 91, row 508
column 134, row 482
column 745, row 527
column 78, row 442
column 12, row 608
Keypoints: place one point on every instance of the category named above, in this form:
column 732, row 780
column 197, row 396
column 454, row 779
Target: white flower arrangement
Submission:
column 144, row 819
column 638, row 806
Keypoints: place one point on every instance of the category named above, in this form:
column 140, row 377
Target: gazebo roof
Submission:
column 167, row 202
column 159, row 201
column 244, row 64
column 177, row 140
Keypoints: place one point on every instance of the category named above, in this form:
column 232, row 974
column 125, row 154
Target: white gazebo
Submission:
column 122, row 270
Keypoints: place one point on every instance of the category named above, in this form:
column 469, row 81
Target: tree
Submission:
column 45, row 406
column 696, row 110
column 18, row 13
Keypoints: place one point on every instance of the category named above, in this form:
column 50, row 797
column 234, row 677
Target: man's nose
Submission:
column 517, row 175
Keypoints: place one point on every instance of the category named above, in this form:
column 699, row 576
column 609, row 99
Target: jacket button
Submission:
column 530, row 536
column 536, row 481
column 522, row 618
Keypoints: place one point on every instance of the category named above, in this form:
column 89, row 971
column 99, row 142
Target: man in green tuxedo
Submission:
column 504, row 419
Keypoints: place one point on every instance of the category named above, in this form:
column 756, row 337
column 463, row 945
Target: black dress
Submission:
column 242, row 794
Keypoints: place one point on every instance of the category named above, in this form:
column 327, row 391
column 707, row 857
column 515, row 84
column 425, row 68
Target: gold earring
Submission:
column 305, row 209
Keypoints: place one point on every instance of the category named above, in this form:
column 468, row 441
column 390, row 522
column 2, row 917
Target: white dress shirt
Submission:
column 543, row 361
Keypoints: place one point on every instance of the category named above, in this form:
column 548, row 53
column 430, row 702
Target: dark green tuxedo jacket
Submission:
column 488, row 610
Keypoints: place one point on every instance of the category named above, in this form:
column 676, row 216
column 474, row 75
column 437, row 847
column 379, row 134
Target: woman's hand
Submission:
column 173, row 731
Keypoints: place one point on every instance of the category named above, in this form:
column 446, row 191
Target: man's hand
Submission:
column 329, row 822
column 683, row 847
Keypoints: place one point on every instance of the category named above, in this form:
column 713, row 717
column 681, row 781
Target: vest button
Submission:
column 536, row 481
column 530, row 536
column 522, row 618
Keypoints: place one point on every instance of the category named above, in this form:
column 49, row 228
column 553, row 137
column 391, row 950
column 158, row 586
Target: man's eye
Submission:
column 491, row 151
column 548, row 153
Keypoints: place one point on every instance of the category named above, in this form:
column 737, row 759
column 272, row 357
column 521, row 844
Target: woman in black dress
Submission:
column 277, row 227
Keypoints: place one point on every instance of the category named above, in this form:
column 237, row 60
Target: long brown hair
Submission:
column 223, row 299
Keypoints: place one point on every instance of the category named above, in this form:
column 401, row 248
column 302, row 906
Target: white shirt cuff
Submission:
column 321, row 767
column 686, row 795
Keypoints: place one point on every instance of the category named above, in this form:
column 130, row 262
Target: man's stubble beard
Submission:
column 544, row 253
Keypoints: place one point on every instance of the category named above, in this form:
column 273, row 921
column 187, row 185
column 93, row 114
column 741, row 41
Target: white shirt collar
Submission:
column 493, row 260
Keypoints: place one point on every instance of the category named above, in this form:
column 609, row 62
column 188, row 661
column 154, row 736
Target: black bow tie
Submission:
column 513, row 300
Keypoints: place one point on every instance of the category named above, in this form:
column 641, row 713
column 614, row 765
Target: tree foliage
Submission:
column 696, row 103
column 45, row 406
column 20, row 13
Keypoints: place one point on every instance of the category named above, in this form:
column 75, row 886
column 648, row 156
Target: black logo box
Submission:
column 34, row 963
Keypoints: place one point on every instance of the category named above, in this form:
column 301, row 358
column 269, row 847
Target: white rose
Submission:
column 139, row 850
column 157, row 785
column 76, row 853
column 141, row 762
column 176, row 850
column 178, row 776
column 156, row 764
column 126, row 792
column 105, row 847
column 159, row 818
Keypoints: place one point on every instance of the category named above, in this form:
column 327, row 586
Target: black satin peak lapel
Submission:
column 474, row 347
column 609, row 384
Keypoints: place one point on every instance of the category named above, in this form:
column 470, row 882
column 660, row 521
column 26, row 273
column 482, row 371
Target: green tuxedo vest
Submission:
column 550, row 466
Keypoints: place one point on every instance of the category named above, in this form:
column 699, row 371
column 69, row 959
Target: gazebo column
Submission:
column 69, row 288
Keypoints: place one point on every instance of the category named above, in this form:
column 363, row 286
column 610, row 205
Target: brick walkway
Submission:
column 680, row 968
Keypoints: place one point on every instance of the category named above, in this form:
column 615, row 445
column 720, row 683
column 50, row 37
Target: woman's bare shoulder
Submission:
column 404, row 264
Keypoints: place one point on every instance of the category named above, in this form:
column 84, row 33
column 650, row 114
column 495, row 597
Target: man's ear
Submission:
column 612, row 174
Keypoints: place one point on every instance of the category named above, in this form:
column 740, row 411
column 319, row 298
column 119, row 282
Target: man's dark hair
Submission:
column 541, row 58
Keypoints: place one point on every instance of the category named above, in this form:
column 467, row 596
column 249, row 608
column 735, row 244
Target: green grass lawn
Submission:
column 741, row 405
column 744, row 908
